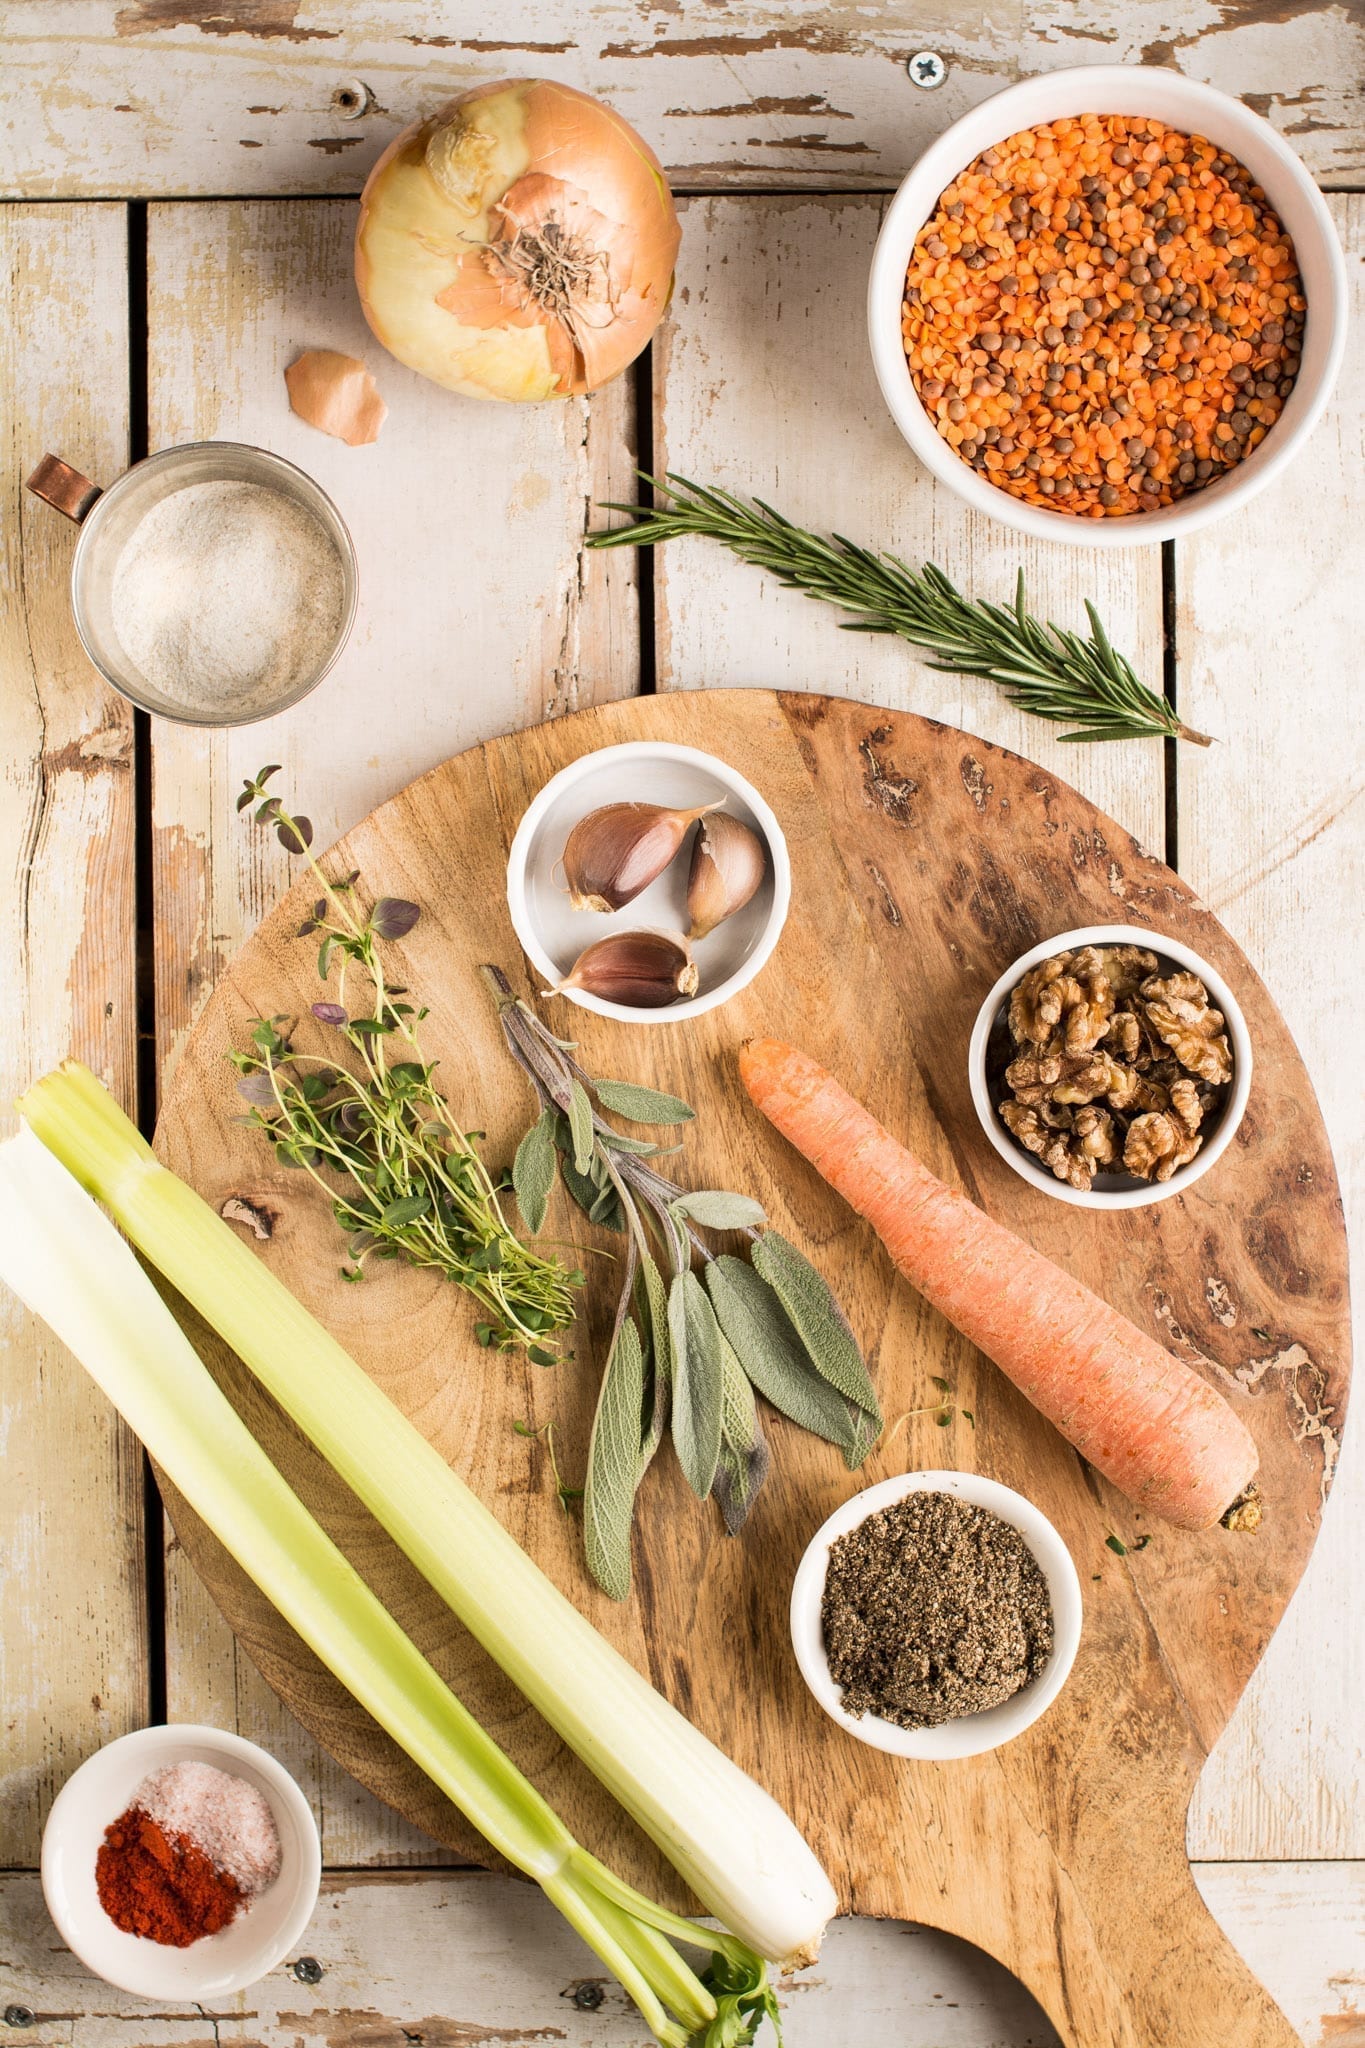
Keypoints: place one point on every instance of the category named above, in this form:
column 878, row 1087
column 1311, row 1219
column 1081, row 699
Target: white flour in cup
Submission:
column 227, row 596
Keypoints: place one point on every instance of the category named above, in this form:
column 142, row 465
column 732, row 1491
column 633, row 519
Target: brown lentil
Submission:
column 1127, row 272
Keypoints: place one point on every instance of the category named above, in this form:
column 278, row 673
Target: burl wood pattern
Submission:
column 923, row 861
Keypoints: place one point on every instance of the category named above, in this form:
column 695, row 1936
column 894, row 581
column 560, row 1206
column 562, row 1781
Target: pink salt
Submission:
column 229, row 1819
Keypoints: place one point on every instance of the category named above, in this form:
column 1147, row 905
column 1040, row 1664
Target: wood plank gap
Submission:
column 139, row 445
column 643, row 373
column 1170, row 749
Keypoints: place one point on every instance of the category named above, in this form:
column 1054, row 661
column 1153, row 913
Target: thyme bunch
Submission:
column 1052, row 673
column 371, row 1128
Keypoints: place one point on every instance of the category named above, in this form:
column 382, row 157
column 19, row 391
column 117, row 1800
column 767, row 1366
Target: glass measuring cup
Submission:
column 108, row 518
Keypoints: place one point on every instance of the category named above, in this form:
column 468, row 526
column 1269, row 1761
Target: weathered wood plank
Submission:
column 150, row 97
column 73, row 1665
column 764, row 383
column 1272, row 833
column 454, row 1960
column 479, row 612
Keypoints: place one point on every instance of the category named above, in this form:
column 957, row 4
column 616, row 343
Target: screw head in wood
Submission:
column 308, row 1970
column 351, row 99
column 20, row 2016
column 927, row 69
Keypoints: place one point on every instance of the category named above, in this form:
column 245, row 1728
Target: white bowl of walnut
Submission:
column 1110, row 1067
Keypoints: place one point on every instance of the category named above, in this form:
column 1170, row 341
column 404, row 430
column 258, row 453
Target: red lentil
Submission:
column 1103, row 315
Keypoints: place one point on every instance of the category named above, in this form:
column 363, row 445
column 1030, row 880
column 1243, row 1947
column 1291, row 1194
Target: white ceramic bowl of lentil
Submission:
column 1248, row 415
column 970, row 1734
column 990, row 1049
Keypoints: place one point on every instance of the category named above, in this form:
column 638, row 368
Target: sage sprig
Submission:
column 695, row 1332
column 362, row 1115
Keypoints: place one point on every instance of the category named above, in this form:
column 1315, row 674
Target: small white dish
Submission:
column 973, row 1734
column 263, row 1933
column 1194, row 108
column 553, row 934
column 1109, row 1190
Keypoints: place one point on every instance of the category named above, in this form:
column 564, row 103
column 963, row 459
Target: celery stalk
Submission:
column 729, row 1839
column 64, row 1258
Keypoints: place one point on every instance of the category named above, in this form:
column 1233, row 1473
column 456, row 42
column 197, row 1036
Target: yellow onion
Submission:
column 518, row 244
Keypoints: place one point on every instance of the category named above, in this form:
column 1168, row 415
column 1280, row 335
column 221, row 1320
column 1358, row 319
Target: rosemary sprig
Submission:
column 1054, row 674
column 687, row 1350
column 372, row 1129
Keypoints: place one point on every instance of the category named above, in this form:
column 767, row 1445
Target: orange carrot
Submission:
column 1146, row 1420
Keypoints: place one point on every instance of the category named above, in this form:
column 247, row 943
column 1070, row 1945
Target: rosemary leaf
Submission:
column 614, row 1465
column 1046, row 670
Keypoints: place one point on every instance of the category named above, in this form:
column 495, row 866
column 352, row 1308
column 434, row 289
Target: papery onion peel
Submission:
column 518, row 244
column 336, row 394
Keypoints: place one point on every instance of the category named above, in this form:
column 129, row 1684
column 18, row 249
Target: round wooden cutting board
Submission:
column 924, row 861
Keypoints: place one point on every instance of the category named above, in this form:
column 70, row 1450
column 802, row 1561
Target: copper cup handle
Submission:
column 62, row 487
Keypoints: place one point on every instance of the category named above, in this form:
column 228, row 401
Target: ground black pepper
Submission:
column 933, row 1608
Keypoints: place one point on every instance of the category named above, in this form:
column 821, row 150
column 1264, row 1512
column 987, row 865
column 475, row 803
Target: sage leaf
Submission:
column 588, row 1196
column 614, row 1465
column 533, row 1171
column 660, row 1389
column 817, row 1318
column 694, row 1336
column 716, row 1209
column 755, row 1323
column 744, row 1455
column 642, row 1105
column 580, row 1127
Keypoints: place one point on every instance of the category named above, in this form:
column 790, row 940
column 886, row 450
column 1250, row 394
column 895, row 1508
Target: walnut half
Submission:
column 1071, row 1150
column 1164, row 1139
column 1179, row 1011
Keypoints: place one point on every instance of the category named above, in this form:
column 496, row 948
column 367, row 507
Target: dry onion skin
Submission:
column 336, row 394
column 519, row 244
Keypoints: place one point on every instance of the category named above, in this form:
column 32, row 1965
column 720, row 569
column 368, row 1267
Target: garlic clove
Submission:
column 645, row 970
column 615, row 852
column 729, row 860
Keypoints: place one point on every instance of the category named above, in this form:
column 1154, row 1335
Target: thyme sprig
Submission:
column 688, row 1349
column 1041, row 667
column 372, row 1129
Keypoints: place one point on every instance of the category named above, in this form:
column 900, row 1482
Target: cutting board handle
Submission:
column 1139, row 1961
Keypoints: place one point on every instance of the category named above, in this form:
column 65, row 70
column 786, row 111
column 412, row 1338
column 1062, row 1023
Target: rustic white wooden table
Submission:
column 182, row 178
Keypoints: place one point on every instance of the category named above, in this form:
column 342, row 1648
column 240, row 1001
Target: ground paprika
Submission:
column 160, row 1885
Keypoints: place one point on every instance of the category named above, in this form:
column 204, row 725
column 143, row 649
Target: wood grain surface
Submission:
column 924, row 861
column 477, row 513
column 163, row 97
column 418, row 1959
column 73, row 1670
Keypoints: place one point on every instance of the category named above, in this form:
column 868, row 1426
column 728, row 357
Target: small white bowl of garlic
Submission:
column 648, row 882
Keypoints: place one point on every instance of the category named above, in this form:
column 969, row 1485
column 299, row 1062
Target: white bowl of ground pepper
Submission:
column 930, row 1592
column 171, row 1830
